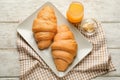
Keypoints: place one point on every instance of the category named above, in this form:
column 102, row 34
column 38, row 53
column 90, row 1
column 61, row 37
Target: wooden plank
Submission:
column 8, row 35
column 107, row 78
column 9, row 78
column 9, row 63
column 98, row 78
column 112, row 31
column 103, row 10
column 115, row 54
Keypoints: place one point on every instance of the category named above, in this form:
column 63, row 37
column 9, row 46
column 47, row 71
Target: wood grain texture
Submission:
column 112, row 31
column 107, row 78
column 115, row 54
column 98, row 78
column 9, row 63
column 18, row 10
column 8, row 34
column 12, row 12
column 9, row 78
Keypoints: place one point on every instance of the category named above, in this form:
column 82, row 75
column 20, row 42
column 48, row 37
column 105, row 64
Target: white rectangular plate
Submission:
column 84, row 47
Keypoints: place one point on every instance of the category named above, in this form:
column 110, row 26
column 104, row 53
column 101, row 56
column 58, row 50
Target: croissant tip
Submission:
column 61, row 65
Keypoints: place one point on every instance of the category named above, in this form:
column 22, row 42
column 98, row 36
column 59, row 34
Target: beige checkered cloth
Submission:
column 96, row 63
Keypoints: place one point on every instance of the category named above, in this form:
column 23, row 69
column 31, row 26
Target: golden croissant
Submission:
column 45, row 27
column 64, row 48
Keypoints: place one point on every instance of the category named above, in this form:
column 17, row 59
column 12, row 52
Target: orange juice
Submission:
column 75, row 12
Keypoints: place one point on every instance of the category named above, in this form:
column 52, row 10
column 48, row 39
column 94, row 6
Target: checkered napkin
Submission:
column 98, row 62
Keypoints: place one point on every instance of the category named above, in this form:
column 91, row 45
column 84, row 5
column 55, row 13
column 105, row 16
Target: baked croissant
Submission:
column 64, row 48
column 45, row 27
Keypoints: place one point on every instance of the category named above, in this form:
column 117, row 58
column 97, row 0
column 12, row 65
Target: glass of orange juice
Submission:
column 75, row 12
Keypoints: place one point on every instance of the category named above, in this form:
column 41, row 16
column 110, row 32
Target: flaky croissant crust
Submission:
column 64, row 48
column 45, row 27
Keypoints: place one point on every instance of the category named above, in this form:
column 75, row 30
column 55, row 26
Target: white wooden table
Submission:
column 12, row 12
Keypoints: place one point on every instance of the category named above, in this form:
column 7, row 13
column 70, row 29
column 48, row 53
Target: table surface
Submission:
column 12, row 12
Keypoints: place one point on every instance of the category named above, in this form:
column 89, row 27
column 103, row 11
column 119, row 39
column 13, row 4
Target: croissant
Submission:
column 45, row 27
column 64, row 48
